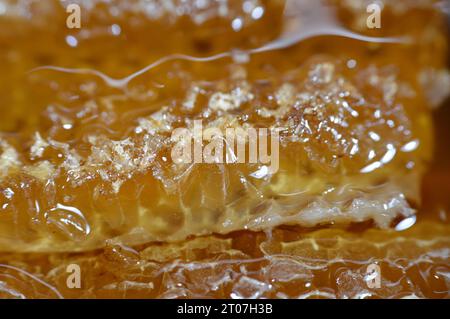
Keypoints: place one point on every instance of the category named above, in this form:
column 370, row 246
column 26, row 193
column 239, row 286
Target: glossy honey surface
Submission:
column 86, row 176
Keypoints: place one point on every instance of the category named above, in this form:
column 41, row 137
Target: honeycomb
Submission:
column 88, row 174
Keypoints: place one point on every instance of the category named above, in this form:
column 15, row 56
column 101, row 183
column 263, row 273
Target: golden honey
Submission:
column 88, row 178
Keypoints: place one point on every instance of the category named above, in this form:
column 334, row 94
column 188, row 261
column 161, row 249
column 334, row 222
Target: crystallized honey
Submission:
column 357, row 178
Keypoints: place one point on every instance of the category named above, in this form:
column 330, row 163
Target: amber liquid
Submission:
column 284, row 262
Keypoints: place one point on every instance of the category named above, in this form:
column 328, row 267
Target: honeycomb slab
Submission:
column 88, row 172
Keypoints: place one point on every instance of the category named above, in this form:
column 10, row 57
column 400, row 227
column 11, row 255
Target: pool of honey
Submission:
column 285, row 262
